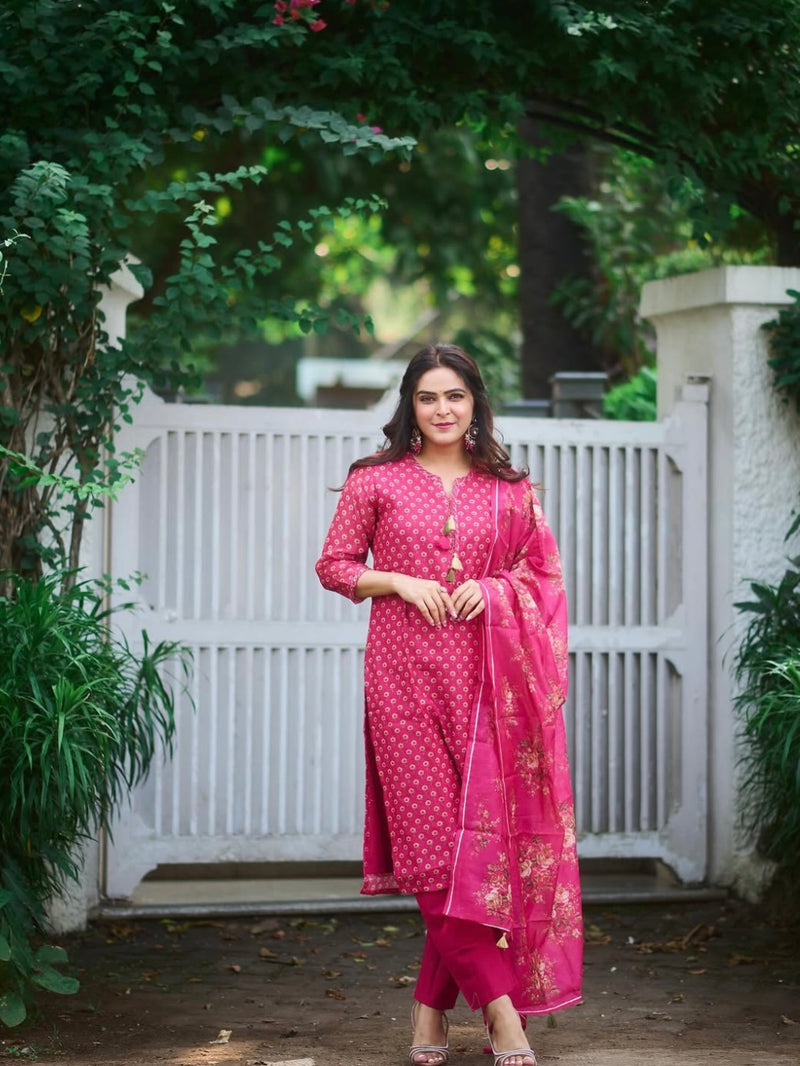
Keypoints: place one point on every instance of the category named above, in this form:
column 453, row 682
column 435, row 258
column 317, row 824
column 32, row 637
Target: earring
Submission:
column 415, row 442
column 471, row 436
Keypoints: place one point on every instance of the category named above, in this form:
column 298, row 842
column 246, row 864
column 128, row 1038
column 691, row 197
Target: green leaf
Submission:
column 51, row 953
column 5, row 949
column 54, row 981
column 12, row 1009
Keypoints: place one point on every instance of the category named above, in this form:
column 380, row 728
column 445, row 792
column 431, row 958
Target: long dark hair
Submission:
column 488, row 455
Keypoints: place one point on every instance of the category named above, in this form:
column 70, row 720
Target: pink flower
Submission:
column 278, row 20
column 376, row 129
column 317, row 25
column 281, row 6
column 361, row 118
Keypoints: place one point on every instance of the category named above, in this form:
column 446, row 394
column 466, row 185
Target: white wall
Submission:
column 710, row 324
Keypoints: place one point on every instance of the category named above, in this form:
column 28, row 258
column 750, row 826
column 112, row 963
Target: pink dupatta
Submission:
column 515, row 864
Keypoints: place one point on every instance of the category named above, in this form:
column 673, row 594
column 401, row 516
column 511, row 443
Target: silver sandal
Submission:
column 501, row 1057
column 443, row 1051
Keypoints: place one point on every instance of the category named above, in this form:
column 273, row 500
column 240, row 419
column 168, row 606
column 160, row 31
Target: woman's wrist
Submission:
column 377, row 583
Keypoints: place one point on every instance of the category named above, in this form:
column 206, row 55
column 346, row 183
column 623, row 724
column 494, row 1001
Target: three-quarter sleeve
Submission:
column 349, row 539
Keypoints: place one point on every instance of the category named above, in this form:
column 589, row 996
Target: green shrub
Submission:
column 767, row 666
column 82, row 716
column 633, row 400
column 784, row 350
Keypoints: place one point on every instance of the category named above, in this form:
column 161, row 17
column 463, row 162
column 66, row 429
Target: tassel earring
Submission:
column 415, row 442
column 471, row 436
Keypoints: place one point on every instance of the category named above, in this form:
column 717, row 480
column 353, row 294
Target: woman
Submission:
column 469, row 805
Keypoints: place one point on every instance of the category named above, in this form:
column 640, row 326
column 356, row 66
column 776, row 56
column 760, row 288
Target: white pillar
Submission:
column 69, row 912
column 710, row 324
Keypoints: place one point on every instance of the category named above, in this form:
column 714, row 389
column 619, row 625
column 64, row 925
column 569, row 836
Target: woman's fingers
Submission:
column 435, row 603
column 468, row 600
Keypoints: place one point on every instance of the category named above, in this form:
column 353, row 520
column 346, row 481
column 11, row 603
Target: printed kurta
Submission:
column 467, row 784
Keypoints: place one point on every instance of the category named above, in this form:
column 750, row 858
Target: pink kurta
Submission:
column 453, row 801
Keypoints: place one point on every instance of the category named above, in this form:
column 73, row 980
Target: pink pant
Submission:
column 459, row 956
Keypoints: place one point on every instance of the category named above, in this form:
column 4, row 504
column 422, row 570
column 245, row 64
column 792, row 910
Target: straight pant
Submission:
column 460, row 956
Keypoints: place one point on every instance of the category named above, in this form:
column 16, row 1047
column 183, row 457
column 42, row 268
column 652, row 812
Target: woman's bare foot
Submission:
column 506, row 1035
column 429, row 1043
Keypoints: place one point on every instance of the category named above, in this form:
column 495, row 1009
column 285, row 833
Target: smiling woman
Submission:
column 469, row 805
column 443, row 408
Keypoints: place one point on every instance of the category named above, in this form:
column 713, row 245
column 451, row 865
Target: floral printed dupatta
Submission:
column 515, row 864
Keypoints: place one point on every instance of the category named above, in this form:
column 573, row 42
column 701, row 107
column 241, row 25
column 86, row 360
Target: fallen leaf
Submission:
column 335, row 993
column 593, row 934
column 331, row 973
column 235, row 967
column 697, row 973
column 677, row 997
column 175, row 927
column 266, row 926
column 223, row 1036
column 403, row 981
column 788, row 1021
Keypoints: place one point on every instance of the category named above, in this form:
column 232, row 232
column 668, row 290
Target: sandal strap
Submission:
column 501, row 1057
column 428, row 1049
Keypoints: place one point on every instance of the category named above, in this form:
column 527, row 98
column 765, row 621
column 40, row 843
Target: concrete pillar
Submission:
column 70, row 911
column 709, row 324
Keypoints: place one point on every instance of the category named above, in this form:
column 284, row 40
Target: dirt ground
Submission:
column 693, row 984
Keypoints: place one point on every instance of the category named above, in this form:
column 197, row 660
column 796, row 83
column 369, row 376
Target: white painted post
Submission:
column 709, row 324
column 69, row 912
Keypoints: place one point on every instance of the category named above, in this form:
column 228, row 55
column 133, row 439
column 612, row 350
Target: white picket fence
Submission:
column 226, row 520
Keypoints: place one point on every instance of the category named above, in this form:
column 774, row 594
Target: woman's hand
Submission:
column 430, row 598
column 468, row 600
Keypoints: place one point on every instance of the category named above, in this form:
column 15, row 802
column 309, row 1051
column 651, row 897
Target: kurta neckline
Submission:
column 430, row 473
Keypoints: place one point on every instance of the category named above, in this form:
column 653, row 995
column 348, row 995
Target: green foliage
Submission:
column 635, row 399
column 640, row 227
column 705, row 91
column 767, row 666
column 7, row 242
column 172, row 107
column 82, row 717
column 784, row 350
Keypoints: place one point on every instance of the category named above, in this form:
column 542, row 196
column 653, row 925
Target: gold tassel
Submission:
column 502, row 942
column 455, row 563
column 449, row 525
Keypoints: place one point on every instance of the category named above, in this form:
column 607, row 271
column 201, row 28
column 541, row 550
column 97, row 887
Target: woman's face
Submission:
column 443, row 407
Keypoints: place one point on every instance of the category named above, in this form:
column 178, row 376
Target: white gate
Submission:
column 226, row 519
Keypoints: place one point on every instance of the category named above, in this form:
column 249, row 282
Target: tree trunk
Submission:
column 551, row 248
